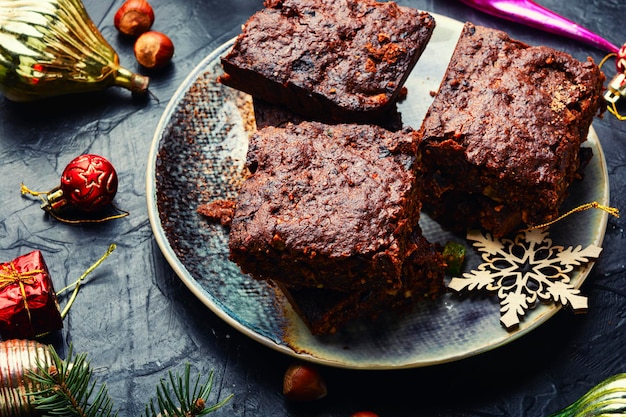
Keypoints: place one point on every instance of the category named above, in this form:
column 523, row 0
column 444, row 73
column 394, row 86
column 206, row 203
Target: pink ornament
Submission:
column 531, row 14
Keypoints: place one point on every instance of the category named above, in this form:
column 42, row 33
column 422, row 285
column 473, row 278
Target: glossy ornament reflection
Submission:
column 88, row 186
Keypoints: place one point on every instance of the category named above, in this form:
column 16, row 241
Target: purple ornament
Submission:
column 530, row 13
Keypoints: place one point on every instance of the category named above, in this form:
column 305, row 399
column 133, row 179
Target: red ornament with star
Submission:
column 89, row 182
column 88, row 185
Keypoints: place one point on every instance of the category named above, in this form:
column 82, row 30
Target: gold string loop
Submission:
column 606, row 58
column 120, row 214
column 593, row 205
column 612, row 108
column 43, row 196
column 615, row 89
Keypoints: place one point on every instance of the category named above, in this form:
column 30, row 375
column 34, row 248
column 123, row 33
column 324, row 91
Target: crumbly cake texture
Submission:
column 218, row 211
column 501, row 140
column 329, row 60
column 326, row 311
column 267, row 114
column 328, row 206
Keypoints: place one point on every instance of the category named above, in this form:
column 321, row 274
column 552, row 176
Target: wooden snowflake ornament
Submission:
column 524, row 270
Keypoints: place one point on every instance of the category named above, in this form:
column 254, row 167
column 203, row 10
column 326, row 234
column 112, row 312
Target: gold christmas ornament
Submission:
column 52, row 47
column 608, row 398
column 17, row 359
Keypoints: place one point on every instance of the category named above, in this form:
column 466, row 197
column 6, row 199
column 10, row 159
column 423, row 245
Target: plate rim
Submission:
column 200, row 293
column 153, row 211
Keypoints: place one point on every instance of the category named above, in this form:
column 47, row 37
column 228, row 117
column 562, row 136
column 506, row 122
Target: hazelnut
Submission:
column 134, row 17
column 153, row 49
column 303, row 382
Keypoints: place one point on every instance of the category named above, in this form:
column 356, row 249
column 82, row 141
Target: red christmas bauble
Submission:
column 89, row 182
column 621, row 59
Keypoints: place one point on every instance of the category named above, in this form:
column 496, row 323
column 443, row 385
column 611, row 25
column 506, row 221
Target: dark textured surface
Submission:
column 137, row 320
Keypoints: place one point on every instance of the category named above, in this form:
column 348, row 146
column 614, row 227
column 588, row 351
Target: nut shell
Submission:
column 303, row 382
column 134, row 17
column 153, row 49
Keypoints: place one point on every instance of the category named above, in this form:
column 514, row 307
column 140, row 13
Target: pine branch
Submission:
column 177, row 398
column 68, row 389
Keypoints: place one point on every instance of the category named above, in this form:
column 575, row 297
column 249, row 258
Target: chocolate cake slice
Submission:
column 328, row 206
column 502, row 138
column 267, row 114
column 325, row 311
column 329, row 60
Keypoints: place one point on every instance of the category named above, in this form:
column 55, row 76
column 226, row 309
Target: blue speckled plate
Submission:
column 198, row 151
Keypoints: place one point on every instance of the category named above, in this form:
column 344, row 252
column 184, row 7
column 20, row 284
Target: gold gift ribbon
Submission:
column 11, row 276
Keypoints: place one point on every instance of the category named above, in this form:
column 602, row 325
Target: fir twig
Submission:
column 179, row 398
column 67, row 388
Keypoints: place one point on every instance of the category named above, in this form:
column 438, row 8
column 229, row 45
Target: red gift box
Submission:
column 28, row 303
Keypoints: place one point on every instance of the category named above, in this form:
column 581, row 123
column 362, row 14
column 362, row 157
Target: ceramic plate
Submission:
column 197, row 155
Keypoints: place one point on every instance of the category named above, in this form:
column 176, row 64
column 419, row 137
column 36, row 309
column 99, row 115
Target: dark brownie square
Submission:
column 501, row 140
column 326, row 311
column 328, row 206
column 329, row 60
